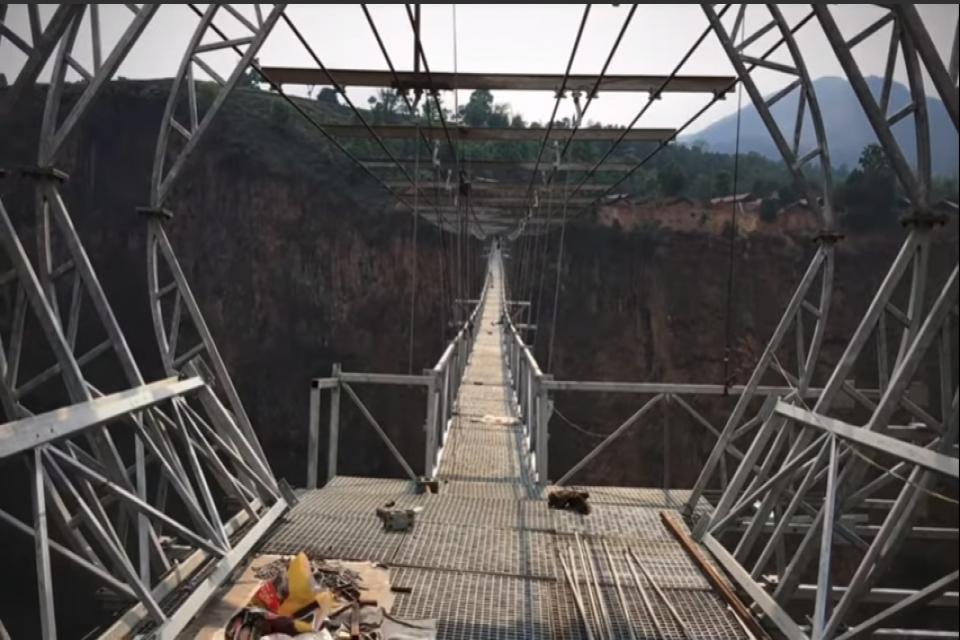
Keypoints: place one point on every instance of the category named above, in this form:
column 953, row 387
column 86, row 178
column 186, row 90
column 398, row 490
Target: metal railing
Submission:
column 442, row 383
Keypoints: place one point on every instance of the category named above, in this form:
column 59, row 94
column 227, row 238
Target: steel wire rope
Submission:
column 343, row 93
column 418, row 48
column 445, row 279
column 306, row 116
column 413, row 253
column 441, row 219
column 596, row 87
column 411, row 107
column 578, row 121
column 728, row 311
column 556, row 103
column 556, row 288
column 663, row 143
column 413, row 180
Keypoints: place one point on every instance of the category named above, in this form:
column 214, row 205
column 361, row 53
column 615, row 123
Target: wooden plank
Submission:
column 712, row 576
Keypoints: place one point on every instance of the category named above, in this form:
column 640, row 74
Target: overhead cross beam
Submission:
column 525, row 165
column 495, row 188
column 435, row 81
column 488, row 134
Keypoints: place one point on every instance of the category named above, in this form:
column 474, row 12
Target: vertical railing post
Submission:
column 544, row 409
column 444, row 404
column 334, row 424
column 665, row 412
column 313, row 435
column 431, row 426
column 529, row 396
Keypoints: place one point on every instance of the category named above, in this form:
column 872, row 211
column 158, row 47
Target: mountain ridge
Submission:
column 848, row 130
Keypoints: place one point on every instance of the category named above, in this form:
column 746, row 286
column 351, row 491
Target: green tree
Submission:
column 250, row 79
column 768, row 209
column 672, row 179
column 328, row 95
column 477, row 111
column 870, row 193
column 722, row 183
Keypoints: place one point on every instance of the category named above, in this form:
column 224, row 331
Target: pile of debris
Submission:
column 318, row 599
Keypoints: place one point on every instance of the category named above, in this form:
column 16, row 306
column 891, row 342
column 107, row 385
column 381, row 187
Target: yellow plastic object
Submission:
column 300, row 585
column 326, row 602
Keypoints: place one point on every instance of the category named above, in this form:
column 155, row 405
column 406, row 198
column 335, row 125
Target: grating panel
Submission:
column 502, row 551
column 479, row 488
column 487, row 513
column 379, row 486
column 487, row 463
column 349, row 503
column 360, row 538
column 477, row 607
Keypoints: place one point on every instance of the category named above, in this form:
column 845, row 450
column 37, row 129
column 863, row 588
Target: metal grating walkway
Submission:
column 483, row 555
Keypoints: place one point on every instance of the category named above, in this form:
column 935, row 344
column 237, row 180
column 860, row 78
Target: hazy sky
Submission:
column 508, row 38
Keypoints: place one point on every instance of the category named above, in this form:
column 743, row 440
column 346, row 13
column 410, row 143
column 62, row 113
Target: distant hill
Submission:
column 847, row 127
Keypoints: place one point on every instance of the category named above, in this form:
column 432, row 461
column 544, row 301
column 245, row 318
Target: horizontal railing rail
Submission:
column 442, row 383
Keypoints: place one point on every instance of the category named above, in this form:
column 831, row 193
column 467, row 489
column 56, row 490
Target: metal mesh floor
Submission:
column 516, row 552
column 360, row 538
column 476, row 606
column 482, row 557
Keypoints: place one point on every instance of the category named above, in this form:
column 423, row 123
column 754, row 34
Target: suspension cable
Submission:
column 717, row 97
column 556, row 287
column 413, row 253
column 411, row 107
column 596, row 87
column 728, row 312
column 441, row 218
column 418, row 47
column 342, row 91
column 560, row 93
column 306, row 116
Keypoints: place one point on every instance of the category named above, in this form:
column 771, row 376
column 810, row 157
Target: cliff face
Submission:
column 651, row 305
column 295, row 258
column 298, row 261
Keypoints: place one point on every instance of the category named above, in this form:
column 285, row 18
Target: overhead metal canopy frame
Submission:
column 792, row 476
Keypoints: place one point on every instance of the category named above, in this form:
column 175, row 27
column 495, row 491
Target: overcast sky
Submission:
column 507, row 38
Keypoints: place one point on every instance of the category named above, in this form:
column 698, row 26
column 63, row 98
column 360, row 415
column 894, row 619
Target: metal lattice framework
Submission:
column 148, row 483
column 192, row 486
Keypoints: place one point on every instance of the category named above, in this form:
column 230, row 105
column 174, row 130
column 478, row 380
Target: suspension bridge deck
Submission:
column 483, row 555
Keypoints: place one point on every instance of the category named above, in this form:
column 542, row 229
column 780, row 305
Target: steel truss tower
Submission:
column 117, row 469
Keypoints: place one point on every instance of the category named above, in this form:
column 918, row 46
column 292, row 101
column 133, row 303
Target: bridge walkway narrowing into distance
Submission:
column 483, row 555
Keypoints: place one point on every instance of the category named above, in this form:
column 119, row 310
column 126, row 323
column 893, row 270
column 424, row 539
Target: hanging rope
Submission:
column 556, row 286
column 413, row 252
column 728, row 312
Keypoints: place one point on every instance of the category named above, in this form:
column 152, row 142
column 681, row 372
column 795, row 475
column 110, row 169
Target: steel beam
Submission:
column 35, row 431
column 446, row 81
column 940, row 463
column 525, row 165
column 494, row 134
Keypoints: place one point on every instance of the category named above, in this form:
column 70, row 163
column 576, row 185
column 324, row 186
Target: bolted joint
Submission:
column 924, row 219
column 44, row 174
column 156, row 212
column 828, row 237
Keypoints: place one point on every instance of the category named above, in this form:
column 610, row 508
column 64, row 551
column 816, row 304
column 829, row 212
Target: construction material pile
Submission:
column 318, row 599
